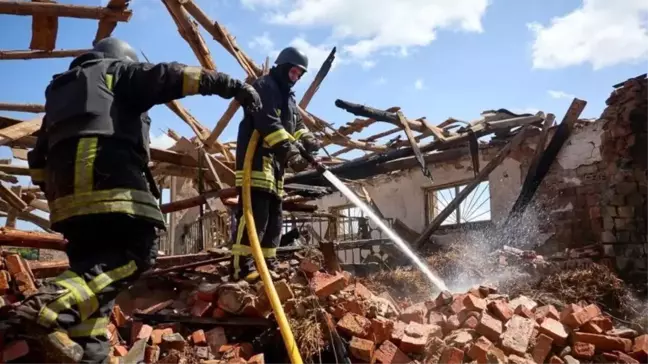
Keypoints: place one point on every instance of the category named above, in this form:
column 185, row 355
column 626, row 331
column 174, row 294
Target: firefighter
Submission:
column 91, row 160
column 280, row 125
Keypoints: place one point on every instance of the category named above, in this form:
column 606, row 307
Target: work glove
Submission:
column 248, row 98
column 311, row 144
column 296, row 162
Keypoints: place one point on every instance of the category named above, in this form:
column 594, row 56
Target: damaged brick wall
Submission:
column 623, row 202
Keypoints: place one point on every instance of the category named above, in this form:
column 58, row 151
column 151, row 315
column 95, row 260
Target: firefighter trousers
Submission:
column 103, row 263
column 267, row 210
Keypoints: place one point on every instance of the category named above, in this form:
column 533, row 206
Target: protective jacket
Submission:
column 279, row 124
column 92, row 152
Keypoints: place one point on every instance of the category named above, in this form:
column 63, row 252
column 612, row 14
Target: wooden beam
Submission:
column 107, row 25
column 188, row 203
column 413, row 144
column 317, row 81
column 483, row 175
column 21, row 130
column 193, row 123
column 11, row 198
column 12, row 214
column 44, row 30
column 63, row 10
column 31, row 239
column 37, row 54
column 189, row 31
column 220, row 126
column 35, row 108
column 168, row 156
column 15, row 170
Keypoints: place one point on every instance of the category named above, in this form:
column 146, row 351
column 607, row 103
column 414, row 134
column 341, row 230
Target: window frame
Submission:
column 429, row 201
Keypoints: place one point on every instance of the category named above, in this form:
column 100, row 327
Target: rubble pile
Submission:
column 199, row 317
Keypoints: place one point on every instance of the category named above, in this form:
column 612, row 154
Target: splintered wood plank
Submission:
column 18, row 131
column 107, row 25
column 11, row 198
column 35, row 108
column 188, row 29
column 19, row 153
column 44, row 30
column 12, row 214
column 31, row 54
column 70, row 11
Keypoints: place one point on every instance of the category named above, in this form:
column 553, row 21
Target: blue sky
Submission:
column 433, row 58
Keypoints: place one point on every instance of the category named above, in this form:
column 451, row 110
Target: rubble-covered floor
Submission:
column 544, row 311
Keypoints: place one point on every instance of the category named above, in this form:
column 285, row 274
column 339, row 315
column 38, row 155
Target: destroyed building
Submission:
column 556, row 197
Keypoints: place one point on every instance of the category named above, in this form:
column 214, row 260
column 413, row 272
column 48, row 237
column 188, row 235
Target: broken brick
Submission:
column 240, row 350
column 570, row 360
column 436, row 318
column 173, row 341
column 362, row 349
column 120, row 350
column 309, row 267
column 496, row 355
column 219, row 313
column 198, row 337
column 324, row 284
column 25, row 283
column 625, row 332
column 583, row 350
column 489, row 327
column 113, row 335
column 591, row 327
column 451, row 324
column 568, row 310
column 523, row 300
column 473, row 303
column 216, row 338
column 144, row 332
column 354, row 325
column 546, row 311
column 523, row 311
column 381, row 329
column 444, row 298
column 612, row 358
column 500, row 310
column 151, row 354
column 459, row 339
column 625, row 358
column 542, row 348
column 554, row 329
column 415, row 313
column 452, row 355
column 118, row 316
column 457, row 304
column 604, row 342
column 5, row 280
column 640, row 348
column 14, row 350
column 200, row 308
column 257, row 359
column 202, row 352
column 515, row 359
column 605, row 323
column 517, row 335
column 359, row 290
column 578, row 318
column 470, row 323
column 479, row 349
column 389, row 353
column 415, row 338
column 398, row 331
column 208, row 292
column 555, row 360
column 156, row 335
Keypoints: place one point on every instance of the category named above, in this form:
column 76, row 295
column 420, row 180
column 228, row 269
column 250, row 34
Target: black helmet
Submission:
column 293, row 56
column 116, row 48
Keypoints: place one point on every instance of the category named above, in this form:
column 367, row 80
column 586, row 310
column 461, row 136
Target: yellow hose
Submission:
column 280, row 315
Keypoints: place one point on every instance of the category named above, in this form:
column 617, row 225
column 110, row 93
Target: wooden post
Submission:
column 26, row 8
column 35, row 108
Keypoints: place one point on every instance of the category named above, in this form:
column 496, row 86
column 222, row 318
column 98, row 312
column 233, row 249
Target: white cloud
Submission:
column 418, row 84
column 263, row 43
column 162, row 141
column 380, row 81
column 560, row 94
column 252, row 4
column 316, row 53
column 601, row 32
column 365, row 27
column 366, row 64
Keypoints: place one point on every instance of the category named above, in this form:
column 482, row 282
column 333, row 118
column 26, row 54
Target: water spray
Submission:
column 402, row 245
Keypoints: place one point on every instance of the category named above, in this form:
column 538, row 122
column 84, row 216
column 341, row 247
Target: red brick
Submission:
column 518, row 333
column 151, row 354
column 201, row 308
column 219, row 313
column 452, row 356
column 457, row 304
column 436, row 318
column 479, row 349
column 414, row 313
column 381, row 329
column 626, row 333
column 208, row 292
column 362, row 349
column 325, row 284
column 257, row 359
column 360, row 291
column 113, row 335
column 144, row 332
column 16, row 264
column 583, row 350
column 546, row 311
column 542, row 348
column 5, row 280
column 216, row 338
column 158, row 307
column 555, row 360
column 470, row 323
column 173, row 341
column 554, row 329
column 120, row 350
column 605, row 323
column 625, row 358
column 118, row 316
column 603, row 342
column 241, row 350
column 500, row 310
column 25, row 283
column 496, row 355
column 354, row 325
column 473, row 303
column 451, row 324
column 612, row 358
column 567, row 311
column 592, row 328
column 352, row 305
column 444, row 298
column 640, row 348
column 14, row 350
column 198, row 337
column 515, row 359
column 577, row 319
column 465, row 314
column 489, row 327
column 524, row 311
column 415, row 338
column 398, row 332
column 475, row 292
column 388, row 353
column 156, row 335
column 309, row 267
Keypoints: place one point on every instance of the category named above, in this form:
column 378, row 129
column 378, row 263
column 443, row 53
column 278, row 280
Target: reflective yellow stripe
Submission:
column 190, row 80
column 300, row 133
column 48, row 314
column 91, row 327
column 83, row 295
column 239, row 237
column 105, row 279
column 260, row 179
column 37, row 174
column 84, row 165
column 133, row 202
column 109, row 81
column 277, row 136
column 240, row 249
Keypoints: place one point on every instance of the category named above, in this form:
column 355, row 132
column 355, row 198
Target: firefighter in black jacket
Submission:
column 91, row 160
column 279, row 124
